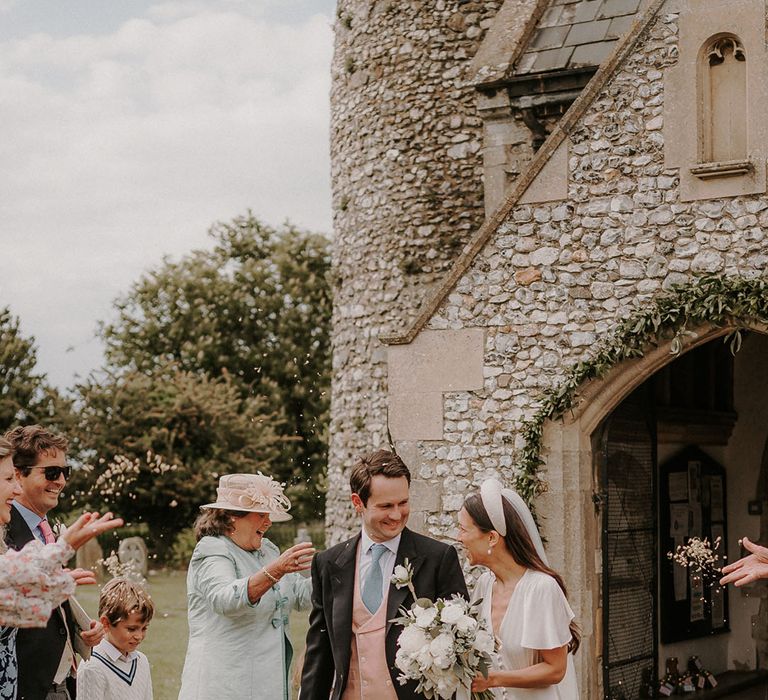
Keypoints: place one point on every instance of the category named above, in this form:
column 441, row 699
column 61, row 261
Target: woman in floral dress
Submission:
column 32, row 581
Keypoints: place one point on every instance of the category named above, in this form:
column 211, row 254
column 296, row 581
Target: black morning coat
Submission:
column 38, row 650
column 436, row 574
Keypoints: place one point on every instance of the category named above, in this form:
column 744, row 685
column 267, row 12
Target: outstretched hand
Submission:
column 297, row 558
column 747, row 569
column 88, row 526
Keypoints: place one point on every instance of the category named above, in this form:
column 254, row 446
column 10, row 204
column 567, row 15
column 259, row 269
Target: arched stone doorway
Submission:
column 572, row 501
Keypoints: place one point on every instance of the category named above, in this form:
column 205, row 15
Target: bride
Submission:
column 523, row 601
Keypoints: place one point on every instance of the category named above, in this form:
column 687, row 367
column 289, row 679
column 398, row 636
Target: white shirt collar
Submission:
column 114, row 653
column 366, row 543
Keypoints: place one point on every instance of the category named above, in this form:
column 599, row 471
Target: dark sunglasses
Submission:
column 53, row 473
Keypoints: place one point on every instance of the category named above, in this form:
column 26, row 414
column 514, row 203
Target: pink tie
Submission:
column 45, row 528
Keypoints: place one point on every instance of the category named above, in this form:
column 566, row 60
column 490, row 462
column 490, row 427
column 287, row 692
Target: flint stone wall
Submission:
column 407, row 195
column 558, row 276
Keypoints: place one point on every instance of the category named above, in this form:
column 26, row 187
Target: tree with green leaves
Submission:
column 25, row 396
column 255, row 309
column 154, row 445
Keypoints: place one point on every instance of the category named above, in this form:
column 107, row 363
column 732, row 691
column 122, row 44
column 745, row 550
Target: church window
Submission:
column 723, row 80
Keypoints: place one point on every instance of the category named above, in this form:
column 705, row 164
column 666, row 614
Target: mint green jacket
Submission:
column 237, row 649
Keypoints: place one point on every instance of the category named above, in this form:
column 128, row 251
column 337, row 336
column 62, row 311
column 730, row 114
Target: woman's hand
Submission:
column 548, row 671
column 297, row 558
column 482, row 683
column 88, row 526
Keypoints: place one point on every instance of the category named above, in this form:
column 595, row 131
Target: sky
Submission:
column 131, row 126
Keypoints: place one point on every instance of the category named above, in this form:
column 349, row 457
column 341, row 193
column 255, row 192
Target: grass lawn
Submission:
column 166, row 642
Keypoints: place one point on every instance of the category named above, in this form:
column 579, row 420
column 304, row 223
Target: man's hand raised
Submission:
column 88, row 526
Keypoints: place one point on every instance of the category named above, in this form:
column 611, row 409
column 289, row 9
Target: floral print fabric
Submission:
column 32, row 584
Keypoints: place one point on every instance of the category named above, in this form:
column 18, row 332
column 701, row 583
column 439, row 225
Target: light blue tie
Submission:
column 374, row 580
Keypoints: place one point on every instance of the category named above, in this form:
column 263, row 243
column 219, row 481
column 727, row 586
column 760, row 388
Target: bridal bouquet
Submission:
column 443, row 645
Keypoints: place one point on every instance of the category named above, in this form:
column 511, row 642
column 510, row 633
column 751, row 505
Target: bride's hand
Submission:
column 482, row 683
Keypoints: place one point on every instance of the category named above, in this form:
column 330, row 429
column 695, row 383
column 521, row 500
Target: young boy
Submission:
column 116, row 670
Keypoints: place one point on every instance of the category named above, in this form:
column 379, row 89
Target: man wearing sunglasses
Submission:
column 46, row 656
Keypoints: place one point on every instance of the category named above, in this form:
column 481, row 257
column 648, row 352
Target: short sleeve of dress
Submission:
column 547, row 614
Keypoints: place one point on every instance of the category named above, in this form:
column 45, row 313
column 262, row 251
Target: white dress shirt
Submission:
column 387, row 561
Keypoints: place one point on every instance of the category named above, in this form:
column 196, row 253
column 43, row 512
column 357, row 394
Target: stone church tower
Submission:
column 436, row 110
column 406, row 156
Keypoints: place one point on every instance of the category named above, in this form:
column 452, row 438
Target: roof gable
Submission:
column 542, row 157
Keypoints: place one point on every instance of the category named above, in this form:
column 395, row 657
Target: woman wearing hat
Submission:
column 240, row 590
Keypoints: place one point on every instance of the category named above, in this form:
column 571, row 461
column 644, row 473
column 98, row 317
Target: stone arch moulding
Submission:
column 566, row 439
column 721, row 303
column 599, row 397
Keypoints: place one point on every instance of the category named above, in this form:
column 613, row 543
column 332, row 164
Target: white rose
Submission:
column 407, row 664
column 412, row 639
column 441, row 649
column 400, row 573
column 451, row 613
column 424, row 659
column 484, row 642
column 425, row 616
column 447, row 686
column 466, row 624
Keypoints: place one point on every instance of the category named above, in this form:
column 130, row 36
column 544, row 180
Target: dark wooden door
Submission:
column 626, row 450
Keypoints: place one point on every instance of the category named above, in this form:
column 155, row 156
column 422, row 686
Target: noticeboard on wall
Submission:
column 692, row 503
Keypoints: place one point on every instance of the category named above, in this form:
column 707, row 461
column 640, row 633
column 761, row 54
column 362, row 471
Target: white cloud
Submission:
column 124, row 146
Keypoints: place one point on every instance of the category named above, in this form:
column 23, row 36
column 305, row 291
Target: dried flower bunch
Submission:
column 699, row 556
column 118, row 569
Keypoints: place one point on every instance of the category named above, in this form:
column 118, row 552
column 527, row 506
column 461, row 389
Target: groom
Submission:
column 351, row 643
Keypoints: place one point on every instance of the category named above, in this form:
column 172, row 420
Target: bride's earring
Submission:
column 489, row 549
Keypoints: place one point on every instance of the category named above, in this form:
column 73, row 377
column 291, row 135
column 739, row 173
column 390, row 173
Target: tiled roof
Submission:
column 576, row 34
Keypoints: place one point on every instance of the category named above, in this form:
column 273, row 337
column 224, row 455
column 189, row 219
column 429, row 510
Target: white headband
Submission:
column 491, row 494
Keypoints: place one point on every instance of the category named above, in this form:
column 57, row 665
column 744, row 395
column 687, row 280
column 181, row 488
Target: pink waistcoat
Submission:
column 369, row 677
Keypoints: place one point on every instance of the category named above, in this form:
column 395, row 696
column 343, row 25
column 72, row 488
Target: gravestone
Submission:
column 132, row 553
column 90, row 557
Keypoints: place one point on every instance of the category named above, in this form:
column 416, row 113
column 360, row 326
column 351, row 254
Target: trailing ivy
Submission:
column 722, row 301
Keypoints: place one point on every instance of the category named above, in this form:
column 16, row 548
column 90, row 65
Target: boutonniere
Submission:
column 403, row 576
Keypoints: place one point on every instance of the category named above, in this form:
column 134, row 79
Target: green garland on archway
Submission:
column 722, row 301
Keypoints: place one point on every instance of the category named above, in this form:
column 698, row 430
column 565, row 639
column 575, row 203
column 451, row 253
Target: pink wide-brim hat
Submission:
column 252, row 493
